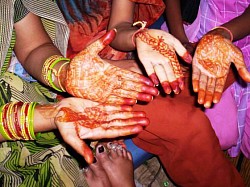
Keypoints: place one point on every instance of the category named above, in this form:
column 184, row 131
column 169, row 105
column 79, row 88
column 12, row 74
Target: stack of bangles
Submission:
column 49, row 73
column 17, row 125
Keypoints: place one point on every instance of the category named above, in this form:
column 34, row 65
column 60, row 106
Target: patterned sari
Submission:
column 46, row 161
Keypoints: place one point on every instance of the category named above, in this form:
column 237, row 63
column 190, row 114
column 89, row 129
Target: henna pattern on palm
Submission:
column 96, row 121
column 93, row 78
column 157, row 51
column 213, row 57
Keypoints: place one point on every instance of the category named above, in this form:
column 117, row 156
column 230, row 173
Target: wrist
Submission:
column 223, row 31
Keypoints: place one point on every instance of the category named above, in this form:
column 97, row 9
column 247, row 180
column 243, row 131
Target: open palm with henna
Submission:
column 78, row 119
column 212, row 59
column 93, row 78
column 157, row 52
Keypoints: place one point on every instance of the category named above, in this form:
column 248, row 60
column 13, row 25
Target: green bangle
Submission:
column 2, row 131
column 50, row 79
column 31, row 119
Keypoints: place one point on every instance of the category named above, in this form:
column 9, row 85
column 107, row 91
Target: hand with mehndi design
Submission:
column 91, row 77
column 157, row 51
column 79, row 119
column 212, row 59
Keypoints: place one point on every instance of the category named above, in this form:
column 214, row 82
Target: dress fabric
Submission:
column 88, row 21
column 233, row 134
column 45, row 161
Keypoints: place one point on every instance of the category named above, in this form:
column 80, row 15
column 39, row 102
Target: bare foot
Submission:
column 117, row 164
column 95, row 175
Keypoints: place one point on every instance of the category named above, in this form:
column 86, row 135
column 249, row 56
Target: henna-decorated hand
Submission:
column 212, row 59
column 93, row 78
column 80, row 119
column 157, row 52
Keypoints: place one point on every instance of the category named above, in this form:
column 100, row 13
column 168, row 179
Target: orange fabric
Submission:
column 183, row 138
column 88, row 21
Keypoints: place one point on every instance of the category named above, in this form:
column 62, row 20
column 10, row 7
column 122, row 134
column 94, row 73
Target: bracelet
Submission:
column 57, row 74
column 2, row 129
column 143, row 25
column 51, row 70
column 31, row 119
column 10, row 122
column 226, row 29
column 48, row 71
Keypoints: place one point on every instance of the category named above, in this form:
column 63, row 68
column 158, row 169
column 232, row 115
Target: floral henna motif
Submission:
column 158, row 44
column 213, row 55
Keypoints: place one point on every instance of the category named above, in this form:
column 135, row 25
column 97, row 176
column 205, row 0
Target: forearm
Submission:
column 240, row 25
column 174, row 20
column 123, row 40
column 15, row 120
column 121, row 18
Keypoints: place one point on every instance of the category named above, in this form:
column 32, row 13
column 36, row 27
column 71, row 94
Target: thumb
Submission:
column 102, row 42
column 83, row 149
column 238, row 61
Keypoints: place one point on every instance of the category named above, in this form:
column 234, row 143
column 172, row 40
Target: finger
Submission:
column 112, row 132
column 80, row 146
column 148, row 66
column 238, row 61
column 132, row 94
column 120, row 101
column 136, row 77
column 181, row 51
column 128, row 101
column 202, row 88
column 209, row 92
column 195, row 77
column 175, row 86
column 99, row 44
column 181, row 82
column 139, row 87
column 166, row 87
column 154, row 78
column 220, row 84
column 124, row 115
column 113, row 108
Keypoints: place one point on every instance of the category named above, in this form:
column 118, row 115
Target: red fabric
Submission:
column 182, row 136
column 88, row 21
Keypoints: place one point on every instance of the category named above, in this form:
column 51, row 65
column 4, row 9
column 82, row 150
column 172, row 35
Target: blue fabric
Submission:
column 138, row 154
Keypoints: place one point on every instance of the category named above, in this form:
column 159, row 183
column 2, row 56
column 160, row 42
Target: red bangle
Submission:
column 4, row 120
column 16, row 121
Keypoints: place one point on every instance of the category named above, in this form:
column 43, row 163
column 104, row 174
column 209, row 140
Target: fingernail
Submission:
column 101, row 149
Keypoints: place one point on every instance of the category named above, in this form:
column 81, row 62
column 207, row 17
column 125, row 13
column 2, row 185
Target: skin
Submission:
column 78, row 119
column 164, row 70
column 209, row 82
column 108, row 170
column 89, row 76
column 110, row 121
column 130, row 88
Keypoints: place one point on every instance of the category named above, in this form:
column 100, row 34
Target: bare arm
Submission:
column 174, row 20
column 121, row 18
column 239, row 26
column 33, row 46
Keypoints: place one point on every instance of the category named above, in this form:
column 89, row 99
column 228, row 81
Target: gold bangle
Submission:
column 58, row 74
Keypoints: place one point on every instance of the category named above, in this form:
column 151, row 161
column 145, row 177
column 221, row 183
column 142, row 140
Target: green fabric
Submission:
column 45, row 161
